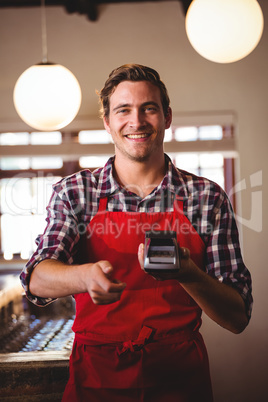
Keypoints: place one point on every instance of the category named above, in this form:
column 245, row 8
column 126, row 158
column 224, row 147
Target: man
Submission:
column 137, row 336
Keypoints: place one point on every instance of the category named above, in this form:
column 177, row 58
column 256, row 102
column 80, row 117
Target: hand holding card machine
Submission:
column 161, row 252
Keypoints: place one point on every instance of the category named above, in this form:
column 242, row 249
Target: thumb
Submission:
column 141, row 255
column 185, row 253
column 106, row 267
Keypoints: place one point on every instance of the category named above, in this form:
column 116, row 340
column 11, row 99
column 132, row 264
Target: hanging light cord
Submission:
column 44, row 32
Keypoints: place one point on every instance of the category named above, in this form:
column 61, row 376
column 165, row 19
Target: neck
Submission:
column 139, row 177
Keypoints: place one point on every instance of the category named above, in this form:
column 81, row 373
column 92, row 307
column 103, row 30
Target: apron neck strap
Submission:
column 103, row 204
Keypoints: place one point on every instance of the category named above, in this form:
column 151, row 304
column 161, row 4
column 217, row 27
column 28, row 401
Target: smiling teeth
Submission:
column 137, row 135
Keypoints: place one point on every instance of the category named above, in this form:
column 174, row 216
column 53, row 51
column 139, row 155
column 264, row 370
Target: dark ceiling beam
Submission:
column 28, row 3
column 90, row 7
column 186, row 5
column 87, row 7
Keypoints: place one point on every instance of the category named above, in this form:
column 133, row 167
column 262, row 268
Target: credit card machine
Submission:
column 161, row 252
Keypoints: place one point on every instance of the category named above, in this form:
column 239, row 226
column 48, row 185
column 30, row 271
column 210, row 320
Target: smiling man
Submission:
column 137, row 335
column 137, row 123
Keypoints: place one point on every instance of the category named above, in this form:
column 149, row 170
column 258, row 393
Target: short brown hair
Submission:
column 131, row 72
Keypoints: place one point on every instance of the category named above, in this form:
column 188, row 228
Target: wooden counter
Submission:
column 33, row 376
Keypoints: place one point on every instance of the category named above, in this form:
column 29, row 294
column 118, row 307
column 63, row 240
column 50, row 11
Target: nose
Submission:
column 137, row 119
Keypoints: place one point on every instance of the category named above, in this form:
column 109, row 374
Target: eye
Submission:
column 150, row 109
column 122, row 111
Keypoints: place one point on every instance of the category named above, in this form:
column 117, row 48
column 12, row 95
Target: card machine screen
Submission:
column 161, row 252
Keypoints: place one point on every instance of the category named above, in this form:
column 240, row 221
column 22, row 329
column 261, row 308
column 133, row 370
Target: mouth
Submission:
column 138, row 136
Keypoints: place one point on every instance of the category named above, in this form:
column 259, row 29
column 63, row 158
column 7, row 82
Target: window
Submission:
column 94, row 137
column 26, row 181
column 23, row 203
column 25, row 185
column 212, row 164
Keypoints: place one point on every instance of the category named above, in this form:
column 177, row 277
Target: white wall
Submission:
column 153, row 34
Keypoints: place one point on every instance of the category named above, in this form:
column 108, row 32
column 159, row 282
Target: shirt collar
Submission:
column 174, row 180
column 107, row 183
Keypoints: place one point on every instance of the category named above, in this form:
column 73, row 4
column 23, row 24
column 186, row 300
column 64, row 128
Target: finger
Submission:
column 116, row 287
column 141, row 255
column 106, row 267
column 184, row 253
column 111, row 294
column 104, row 281
column 105, row 298
column 109, row 286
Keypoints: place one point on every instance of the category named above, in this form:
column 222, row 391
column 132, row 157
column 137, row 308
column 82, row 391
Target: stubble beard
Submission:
column 142, row 156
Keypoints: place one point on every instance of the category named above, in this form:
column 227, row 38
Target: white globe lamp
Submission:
column 47, row 96
column 224, row 31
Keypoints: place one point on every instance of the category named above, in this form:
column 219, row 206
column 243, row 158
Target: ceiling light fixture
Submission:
column 47, row 96
column 224, row 31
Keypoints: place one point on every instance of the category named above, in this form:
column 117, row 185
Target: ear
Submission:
column 106, row 125
column 168, row 118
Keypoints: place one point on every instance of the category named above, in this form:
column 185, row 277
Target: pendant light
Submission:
column 224, row 31
column 47, row 96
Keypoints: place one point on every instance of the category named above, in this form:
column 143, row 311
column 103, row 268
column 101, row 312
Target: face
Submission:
column 136, row 121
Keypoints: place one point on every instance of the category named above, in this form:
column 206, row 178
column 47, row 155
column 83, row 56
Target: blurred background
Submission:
column 219, row 131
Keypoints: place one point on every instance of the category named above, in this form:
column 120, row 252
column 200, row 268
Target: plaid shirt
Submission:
column 75, row 201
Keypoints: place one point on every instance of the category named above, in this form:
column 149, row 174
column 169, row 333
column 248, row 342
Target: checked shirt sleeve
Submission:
column 224, row 259
column 61, row 233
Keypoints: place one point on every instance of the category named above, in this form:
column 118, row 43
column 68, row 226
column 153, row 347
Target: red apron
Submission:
column 147, row 345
